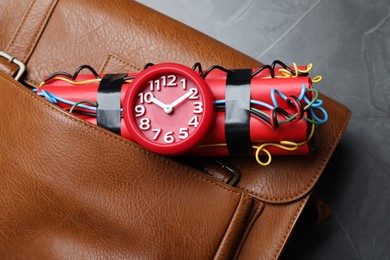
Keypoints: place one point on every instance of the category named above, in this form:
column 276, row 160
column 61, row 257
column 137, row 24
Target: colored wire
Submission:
column 75, row 74
column 287, row 69
column 147, row 65
column 285, row 145
column 52, row 98
column 293, row 102
column 82, row 67
column 70, row 81
column 73, row 82
column 76, row 104
column 64, row 76
column 296, row 103
column 198, row 66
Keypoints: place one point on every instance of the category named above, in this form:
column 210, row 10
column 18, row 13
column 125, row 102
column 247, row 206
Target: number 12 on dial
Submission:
column 166, row 81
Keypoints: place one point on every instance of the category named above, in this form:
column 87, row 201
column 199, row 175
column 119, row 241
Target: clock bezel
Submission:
column 138, row 85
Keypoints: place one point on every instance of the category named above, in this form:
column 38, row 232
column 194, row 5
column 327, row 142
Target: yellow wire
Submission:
column 75, row 82
column 211, row 145
column 284, row 74
column 296, row 69
column 287, row 74
column 258, row 158
column 308, row 68
column 71, row 81
column 316, row 79
column 285, row 145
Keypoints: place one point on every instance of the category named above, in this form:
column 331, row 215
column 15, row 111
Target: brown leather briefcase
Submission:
column 73, row 190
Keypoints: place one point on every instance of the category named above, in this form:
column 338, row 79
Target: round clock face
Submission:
column 168, row 109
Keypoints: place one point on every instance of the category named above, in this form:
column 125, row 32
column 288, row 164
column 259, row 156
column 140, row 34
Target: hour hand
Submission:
column 167, row 108
column 158, row 103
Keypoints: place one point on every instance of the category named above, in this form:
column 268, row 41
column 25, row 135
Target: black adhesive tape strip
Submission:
column 237, row 112
column 109, row 102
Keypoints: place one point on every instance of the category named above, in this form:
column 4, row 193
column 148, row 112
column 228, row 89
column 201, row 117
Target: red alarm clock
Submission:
column 168, row 109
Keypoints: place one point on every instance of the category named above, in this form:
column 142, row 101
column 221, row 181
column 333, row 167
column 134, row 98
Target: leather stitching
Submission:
column 260, row 207
column 252, row 216
column 21, row 24
column 39, row 31
column 120, row 60
column 288, row 230
column 117, row 139
column 221, row 243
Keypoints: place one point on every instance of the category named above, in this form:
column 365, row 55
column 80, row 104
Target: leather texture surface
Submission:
column 73, row 190
column 11, row 13
column 28, row 33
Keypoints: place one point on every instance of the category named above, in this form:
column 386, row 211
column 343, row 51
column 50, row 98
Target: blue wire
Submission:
column 315, row 105
column 219, row 102
column 276, row 91
column 273, row 91
column 54, row 100
column 316, row 118
column 47, row 95
column 303, row 92
column 260, row 103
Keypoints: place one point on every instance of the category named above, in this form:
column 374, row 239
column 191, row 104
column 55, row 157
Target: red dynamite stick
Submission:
column 261, row 86
column 260, row 132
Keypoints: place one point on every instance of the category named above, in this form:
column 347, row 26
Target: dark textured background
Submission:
column 349, row 44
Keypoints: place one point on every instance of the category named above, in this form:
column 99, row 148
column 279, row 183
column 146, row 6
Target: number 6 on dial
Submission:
column 168, row 109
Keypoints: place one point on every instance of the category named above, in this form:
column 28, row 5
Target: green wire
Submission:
column 79, row 102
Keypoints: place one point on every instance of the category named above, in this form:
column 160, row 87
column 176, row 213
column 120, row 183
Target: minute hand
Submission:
column 182, row 98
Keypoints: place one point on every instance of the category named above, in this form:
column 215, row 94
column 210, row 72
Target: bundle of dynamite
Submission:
column 172, row 109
